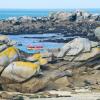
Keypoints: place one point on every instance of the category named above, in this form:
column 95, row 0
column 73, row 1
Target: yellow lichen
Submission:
column 10, row 52
column 37, row 56
column 27, row 64
column 42, row 61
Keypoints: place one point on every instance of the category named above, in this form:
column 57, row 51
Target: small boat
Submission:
column 30, row 47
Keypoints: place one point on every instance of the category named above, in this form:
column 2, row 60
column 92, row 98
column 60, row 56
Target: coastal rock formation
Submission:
column 78, row 14
column 78, row 23
column 4, row 39
column 77, row 65
column 14, row 72
column 60, row 16
column 77, row 46
column 38, row 58
column 79, row 50
column 97, row 32
column 9, row 55
column 26, row 76
column 2, row 47
column 62, row 82
column 33, row 84
column 20, row 71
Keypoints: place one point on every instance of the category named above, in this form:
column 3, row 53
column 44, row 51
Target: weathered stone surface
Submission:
column 5, row 95
column 2, row 47
column 12, row 53
column 4, row 60
column 94, row 44
column 61, row 16
column 4, row 39
column 37, row 58
column 82, row 15
column 87, row 55
column 13, row 75
column 30, row 86
column 1, row 68
column 97, row 67
column 79, row 49
column 68, row 58
column 34, row 84
column 11, row 43
column 76, row 23
column 20, row 71
column 62, row 82
column 75, row 47
column 34, row 57
column 97, row 32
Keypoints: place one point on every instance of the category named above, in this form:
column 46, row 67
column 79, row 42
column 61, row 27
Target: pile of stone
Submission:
column 24, row 74
column 77, row 64
column 82, row 57
column 12, row 68
column 78, row 15
column 69, row 23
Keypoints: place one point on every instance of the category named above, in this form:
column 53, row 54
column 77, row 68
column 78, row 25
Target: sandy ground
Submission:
column 65, row 96
column 78, row 96
column 82, row 96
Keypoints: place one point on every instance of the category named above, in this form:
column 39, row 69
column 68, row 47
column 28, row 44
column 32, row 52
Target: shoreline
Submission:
column 51, row 95
column 78, row 23
column 68, row 71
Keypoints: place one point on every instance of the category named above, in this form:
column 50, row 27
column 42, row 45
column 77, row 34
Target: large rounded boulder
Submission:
column 20, row 71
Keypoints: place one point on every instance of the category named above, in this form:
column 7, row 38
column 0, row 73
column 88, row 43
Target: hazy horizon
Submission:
column 49, row 4
column 47, row 8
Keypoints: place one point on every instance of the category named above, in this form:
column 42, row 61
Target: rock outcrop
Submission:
column 97, row 32
column 77, row 65
column 9, row 55
column 29, row 74
column 23, row 74
column 78, row 15
column 4, row 39
column 79, row 23
column 20, row 71
column 79, row 50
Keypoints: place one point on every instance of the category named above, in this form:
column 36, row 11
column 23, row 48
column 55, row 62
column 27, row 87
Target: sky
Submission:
column 49, row 4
